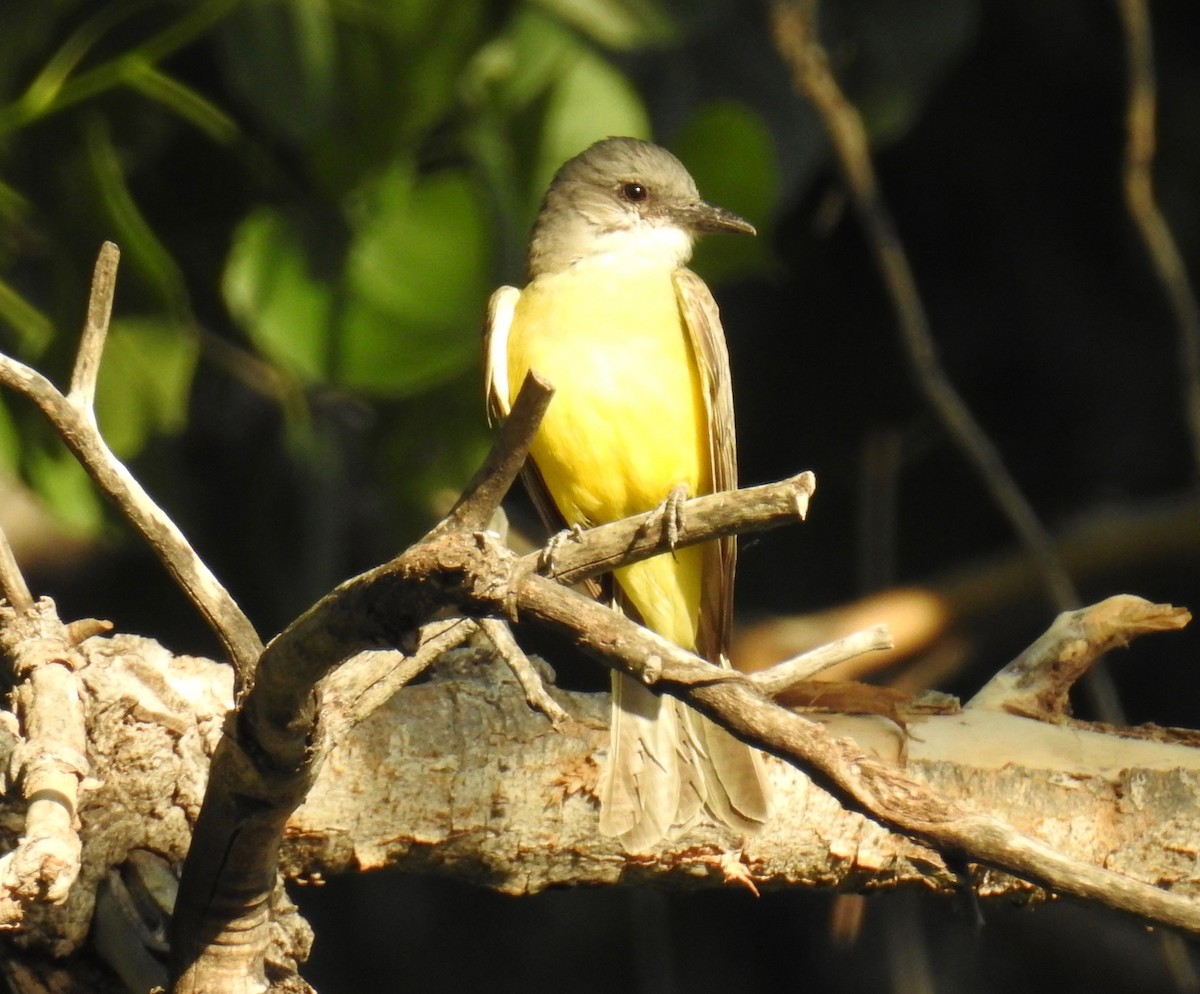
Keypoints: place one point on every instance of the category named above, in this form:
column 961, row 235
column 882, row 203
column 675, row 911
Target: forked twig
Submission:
column 73, row 418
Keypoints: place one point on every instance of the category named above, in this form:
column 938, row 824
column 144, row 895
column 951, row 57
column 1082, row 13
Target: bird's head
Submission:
column 626, row 200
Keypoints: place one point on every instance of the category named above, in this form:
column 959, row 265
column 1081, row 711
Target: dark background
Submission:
column 998, row 131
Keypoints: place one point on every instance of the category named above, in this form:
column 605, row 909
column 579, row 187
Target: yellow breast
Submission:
column 627, row 421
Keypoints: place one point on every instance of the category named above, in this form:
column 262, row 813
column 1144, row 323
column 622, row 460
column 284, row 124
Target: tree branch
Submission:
column 264, row 769
column 74, row 420
column 50, row 761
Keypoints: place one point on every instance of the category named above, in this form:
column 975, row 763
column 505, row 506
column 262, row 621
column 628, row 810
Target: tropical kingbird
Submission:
column 643, row 410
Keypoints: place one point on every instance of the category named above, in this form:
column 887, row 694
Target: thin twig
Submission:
column 482, row 495
column 366, row 682
column 782, row 676
column 796, row 37
column 82, row 392
column 1143, row 207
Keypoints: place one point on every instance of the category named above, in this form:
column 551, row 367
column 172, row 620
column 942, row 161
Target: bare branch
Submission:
column 492, row 481
column 261, row 774
column 366, row 682
column 787, row 674
column 50, row 762
column 1036, row 683
column 865, row 783
column 77, row 428
column 536, row 695
column 82, row 392
column 605, row 547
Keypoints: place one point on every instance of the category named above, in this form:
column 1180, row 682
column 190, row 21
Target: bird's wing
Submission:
column 703, row 323
column 735, row 787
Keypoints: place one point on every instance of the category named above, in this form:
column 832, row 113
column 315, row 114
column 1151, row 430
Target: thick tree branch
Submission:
column 50, row 762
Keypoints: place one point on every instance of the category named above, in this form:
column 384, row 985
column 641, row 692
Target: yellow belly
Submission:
column 627, row 422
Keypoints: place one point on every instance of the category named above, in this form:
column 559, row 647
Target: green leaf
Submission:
column 399, row 312
column 416, row 283
column 272, row 292
column 141, row 245
column 622, row 24
column 66, row 489
column 145, row 381
column 33, row 328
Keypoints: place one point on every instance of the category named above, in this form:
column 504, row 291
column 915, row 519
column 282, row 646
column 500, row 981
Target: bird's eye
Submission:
column 635, row 193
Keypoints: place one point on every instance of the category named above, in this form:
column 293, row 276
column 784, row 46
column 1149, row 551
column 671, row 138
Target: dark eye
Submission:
column 635, row 193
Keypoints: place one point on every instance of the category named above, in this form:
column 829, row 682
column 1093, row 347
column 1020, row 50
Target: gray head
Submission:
column 625, row 197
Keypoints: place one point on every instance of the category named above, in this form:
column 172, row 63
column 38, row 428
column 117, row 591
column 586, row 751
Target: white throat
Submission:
column 642, row 245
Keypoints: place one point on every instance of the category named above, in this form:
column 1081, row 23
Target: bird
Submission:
column 642, row 415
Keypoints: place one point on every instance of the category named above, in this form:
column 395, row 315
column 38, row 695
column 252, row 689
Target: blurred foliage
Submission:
column 313, row 201
column 332, row 189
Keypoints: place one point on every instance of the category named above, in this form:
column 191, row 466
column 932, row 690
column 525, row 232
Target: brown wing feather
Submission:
column 703, row 323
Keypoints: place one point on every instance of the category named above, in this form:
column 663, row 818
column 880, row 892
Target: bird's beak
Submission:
column 702, row 216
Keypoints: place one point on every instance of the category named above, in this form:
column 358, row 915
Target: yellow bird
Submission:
column 643, row 410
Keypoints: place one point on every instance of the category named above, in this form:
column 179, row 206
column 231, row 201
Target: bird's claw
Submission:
column 671, row 511
column 556, row 542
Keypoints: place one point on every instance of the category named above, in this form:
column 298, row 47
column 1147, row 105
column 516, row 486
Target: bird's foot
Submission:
column 554, row 545
column 669, row 515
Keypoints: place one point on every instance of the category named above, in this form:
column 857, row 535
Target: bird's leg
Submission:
column 669, row 515
column 527, row 675
column 556, row 542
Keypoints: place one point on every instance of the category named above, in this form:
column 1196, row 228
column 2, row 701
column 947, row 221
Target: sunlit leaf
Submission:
column 270, row 289
column 68, row 492
column 417, row 279
column 620, row 24
column 144, row 382
column 590, row 101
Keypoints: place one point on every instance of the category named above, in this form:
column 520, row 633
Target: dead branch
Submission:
column 73, row 417
column 50, row 762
